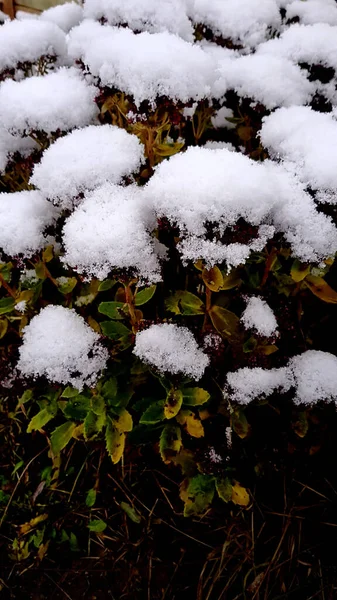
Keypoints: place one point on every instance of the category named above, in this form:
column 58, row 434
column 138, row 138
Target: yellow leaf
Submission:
column 226, row 323
column 267, row 349
column 240, row 495
column 3, row 327
column 78, row 431
column 298, row 271
column 42, row 551
column 204, row 414
column 192, row 424
column 115, row 442
column 321, row 289
column 94, row 325
column 48, row 254
column 32, row 523
column 123, row 422
column 213, row 278
column 231, row 280
column 173, row 404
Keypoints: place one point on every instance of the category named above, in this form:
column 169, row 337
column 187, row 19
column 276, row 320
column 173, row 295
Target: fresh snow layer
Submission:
column 66, row 16
column 59, row 345
column 171, row 349
column 259, row 316
column 202, row 185
column 85, row 159
column 312, row 44
column 271, row 80
column 313, row 375
column 111, row 229
column 145, row 65
column 24, row 217
column 246, row 22
column 60, row 100
column 26, row 41
column 153, row 16
column 307, row 141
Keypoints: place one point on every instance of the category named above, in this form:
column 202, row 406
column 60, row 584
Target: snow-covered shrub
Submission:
column 168, row 221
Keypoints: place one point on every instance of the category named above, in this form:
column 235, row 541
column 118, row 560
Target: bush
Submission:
column 168, row 249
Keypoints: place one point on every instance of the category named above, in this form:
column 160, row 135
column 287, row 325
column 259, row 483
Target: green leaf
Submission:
column 301, row 425
column 118, row 332
column 98, row 405
column 97, row 526
column 239, row 423
column 144, row 434
column 77, row 407
column 42, row 418
column 226, row 323
column 114, row 310
column 130, row 511
column 26, row 397
column 93, row 425
column 145, row 295
column 69, row 392
column 185, row 303
column 195, row 396
column 6, row 305
column 109, row 389
column 170, row 442
column 61, row 436
column 173, row 403
column 249, row 345
column 91, row 498
column 153, row 414
column 224, row 489
column 73, row 543
column 106, row 285
column 115, row 442
column 66, row 284
column 198, row 495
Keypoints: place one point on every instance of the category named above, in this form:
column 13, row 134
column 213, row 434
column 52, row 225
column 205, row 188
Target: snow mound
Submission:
column 312, row 44
column 85, row 159
column 27, row 41
column 259, row 316
column 60, row 100
column 271, row 80
column 308, row 140
column 171, row 349
column 313, row 11
column 202, row 186
column 59, row 345
column 246, row 22
column 153, row 16
column 143, row 65
column 111, row 230
column 24, row 217
column 66, row 16
column 9, row 144
column 313, row 375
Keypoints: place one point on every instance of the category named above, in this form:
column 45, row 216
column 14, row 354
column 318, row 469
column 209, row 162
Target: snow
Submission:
column 171, row 349
column 111, row 230
column 313, row 375
column 153, row 16
column 271, row 80
column 9, row 144
column 85, row 159
column 259, row 316
column 24, row 217
column 3, row 17
column 307, row 140
column 246, row 22
column 26, row 41
column 66, row 16
column 219, row 119
column 313, row 11
column 145, row 65
column 219, row 186
column 21, row 306
column 312, row 44
column 59, row 345
column 60, row 100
